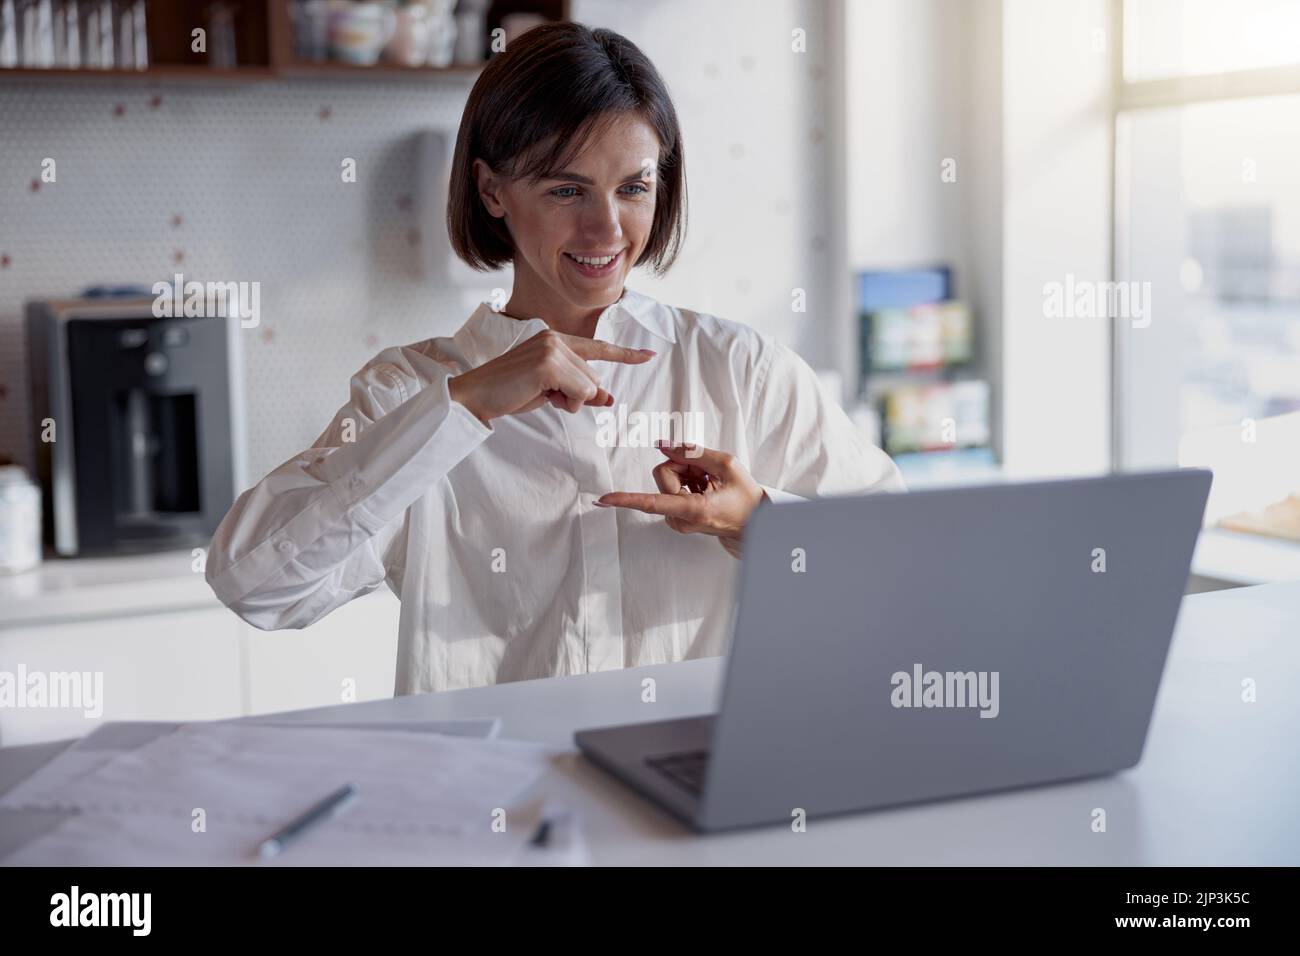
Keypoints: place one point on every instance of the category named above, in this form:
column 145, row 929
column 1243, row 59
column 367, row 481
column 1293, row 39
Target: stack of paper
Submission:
column 209, row 793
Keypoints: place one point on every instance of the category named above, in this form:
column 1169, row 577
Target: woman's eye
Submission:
column 571, row 192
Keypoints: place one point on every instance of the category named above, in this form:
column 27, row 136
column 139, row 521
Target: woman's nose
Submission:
column 601, row 221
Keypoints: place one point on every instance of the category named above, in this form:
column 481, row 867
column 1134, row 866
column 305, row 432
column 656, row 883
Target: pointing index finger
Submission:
column 670, row 506
column 607, row 351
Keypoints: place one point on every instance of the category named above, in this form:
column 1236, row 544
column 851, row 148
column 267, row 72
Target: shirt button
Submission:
column 357, row 481
column 284, row 545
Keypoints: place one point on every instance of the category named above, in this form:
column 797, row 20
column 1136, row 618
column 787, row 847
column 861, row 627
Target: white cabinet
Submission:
column 178, row 665
column 348, row 655
column 150, row 633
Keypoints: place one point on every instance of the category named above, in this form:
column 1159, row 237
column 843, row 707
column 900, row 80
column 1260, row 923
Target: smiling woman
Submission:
column 530, row 114
column 585, row 227
column 479, row 475
column 573, row 143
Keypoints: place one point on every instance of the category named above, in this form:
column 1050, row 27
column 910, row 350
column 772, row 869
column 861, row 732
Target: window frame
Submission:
column 1129, row 97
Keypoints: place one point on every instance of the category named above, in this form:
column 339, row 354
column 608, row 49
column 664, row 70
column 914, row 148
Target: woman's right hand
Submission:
column 549, row 367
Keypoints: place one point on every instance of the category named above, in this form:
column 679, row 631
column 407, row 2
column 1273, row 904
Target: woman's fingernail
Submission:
column 647, row 351
column 601, row 504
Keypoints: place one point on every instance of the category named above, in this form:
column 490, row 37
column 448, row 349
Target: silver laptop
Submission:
column 895, row 648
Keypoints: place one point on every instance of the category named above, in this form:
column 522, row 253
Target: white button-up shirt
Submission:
column 488, row 535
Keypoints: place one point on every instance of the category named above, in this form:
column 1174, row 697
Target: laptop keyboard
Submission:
column 684, row 769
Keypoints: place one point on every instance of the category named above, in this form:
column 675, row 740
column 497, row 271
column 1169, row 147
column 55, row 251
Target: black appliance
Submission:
column 142, row 418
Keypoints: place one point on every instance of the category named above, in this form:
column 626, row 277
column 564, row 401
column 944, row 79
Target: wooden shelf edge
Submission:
column 163, row 72
column 250, row 74
column 330, row 68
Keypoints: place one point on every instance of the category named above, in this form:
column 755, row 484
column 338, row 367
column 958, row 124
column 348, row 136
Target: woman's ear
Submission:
column 489, row 188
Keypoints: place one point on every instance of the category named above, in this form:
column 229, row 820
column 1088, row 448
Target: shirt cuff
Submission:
column 421, row 441
column 779, row 497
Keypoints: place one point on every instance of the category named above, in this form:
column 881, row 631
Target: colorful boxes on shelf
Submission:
column 935, row 416
column 883, row 301
column 915, row 336
column 931, row 335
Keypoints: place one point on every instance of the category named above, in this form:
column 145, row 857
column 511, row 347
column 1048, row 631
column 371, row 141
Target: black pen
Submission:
column 553, row 827
column 327, row 808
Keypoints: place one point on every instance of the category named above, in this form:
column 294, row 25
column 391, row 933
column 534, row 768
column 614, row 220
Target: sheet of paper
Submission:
column 142, row 840
column 43, row 790
column 484, row 728
column 208, row 793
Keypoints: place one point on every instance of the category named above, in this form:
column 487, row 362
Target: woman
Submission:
column 497, row 480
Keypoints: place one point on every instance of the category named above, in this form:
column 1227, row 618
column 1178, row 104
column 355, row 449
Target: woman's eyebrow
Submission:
column 575, row 177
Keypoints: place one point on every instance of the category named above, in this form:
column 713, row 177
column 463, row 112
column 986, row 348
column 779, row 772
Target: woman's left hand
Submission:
column 702, row 492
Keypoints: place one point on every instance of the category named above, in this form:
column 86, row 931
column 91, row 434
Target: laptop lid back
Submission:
column 892, row 648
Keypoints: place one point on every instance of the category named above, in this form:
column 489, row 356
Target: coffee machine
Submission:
column 136, row 421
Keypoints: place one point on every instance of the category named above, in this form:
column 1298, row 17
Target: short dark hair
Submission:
column 530, row 112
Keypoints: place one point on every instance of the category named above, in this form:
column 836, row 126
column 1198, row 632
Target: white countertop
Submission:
column 1217, row 785
column 65, row 589
column 1241, row 558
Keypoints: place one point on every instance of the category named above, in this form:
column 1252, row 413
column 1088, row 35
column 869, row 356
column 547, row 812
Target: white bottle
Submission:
column 38, row 34
column 8, row 33
column 20, row 521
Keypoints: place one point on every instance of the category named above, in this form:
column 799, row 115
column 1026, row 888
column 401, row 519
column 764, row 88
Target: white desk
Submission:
column 1219, row 783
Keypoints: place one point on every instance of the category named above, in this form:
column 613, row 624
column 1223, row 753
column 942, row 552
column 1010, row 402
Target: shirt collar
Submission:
column 488, row 333
column 652, row 316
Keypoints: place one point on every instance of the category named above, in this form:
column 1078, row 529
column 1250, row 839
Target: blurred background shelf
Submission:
column 380, row 71
column 167, row 72
column 255, row 40
column 959, row 466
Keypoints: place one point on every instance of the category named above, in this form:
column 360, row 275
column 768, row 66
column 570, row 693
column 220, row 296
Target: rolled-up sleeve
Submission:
column 319, row 529
column 803, row 443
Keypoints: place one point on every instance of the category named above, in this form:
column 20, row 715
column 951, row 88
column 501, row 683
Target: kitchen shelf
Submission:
column 264, row 48
column 163, row 71
column 383, row 71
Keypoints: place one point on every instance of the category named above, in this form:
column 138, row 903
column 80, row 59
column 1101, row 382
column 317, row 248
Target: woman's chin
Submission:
column 594, row 293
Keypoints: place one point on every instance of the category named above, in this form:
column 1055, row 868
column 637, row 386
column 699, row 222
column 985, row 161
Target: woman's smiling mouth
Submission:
column 595, row 266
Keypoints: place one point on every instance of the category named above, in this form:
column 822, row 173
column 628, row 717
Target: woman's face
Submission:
column 578, row 232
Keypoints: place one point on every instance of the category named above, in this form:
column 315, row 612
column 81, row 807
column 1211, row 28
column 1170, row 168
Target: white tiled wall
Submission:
column 242, row 182
column 228, row 182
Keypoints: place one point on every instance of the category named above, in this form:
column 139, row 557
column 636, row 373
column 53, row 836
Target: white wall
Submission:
column 1015, row 92
column 984, row 232
column 908, row 72
column 923, row 88
column 1056, row 143
column 754, row 120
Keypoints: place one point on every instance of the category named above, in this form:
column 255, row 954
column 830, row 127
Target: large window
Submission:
column 1179, row 38
column 1207, row 226
column 1207, row 219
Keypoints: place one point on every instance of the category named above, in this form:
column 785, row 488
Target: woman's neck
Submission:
column 526, row 303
